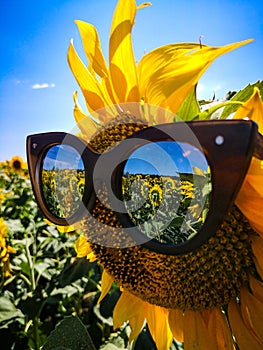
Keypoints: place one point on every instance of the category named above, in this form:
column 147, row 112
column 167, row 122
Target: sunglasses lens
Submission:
column 166, row 188
column 63, row 180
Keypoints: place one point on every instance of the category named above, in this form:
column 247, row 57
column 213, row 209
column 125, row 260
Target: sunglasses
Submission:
column 169, row 185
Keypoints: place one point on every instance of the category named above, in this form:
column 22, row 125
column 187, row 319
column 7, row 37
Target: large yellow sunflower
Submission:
column 211, row 298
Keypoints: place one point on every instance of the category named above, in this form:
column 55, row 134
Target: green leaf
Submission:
column 177, row 221
column 242, row 96
column 8, row 310
column 208, row 113
column 70, row 334
column 189, row 109
column 73, row 271
column 110, row 347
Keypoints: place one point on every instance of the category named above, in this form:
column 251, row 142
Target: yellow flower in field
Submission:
column 156, row 194
column 211, row 298
column 2, row 195
column 16, row 163
column 5, row 250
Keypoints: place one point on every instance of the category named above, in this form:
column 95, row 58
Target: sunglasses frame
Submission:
column 228, row 146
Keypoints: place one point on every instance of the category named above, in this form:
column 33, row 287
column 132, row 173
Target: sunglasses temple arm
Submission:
column 258, row 150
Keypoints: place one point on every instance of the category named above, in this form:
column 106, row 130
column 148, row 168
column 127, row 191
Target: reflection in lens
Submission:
column 166, row 188
column 63, row 180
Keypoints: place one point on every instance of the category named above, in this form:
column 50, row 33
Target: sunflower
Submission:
column 5, row 250
column 16, row 163
column 156, row 194
column 211, row 298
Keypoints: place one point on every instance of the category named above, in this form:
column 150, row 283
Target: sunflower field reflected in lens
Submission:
column 63, row 180
column 166, row 189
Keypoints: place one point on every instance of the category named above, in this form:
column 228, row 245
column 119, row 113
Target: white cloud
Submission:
column 43, row 86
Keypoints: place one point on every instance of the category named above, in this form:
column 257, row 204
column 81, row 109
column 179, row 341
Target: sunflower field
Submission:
column 43, row 285
column 168, row 202
column 48, row 296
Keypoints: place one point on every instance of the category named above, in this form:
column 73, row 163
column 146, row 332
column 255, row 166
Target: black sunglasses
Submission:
column 169, row 185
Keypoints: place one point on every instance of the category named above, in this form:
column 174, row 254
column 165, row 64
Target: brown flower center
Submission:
column 208, row 277
column 17, row 165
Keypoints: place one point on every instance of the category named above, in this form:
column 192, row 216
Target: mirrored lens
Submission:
column 63, row 180
column 166, row 188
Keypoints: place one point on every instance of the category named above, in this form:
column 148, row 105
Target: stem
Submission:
column 31, row 268
column 32, row 288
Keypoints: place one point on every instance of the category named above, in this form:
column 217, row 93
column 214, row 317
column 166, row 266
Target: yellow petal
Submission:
column 252, row 313
column 87, row 125
column 196, row 332
column 95, row 95
column 218, row 327
column 255, row 175
column 252, row 109
column 245, row 339
column 62, row 229
column 11, row 250
column 92, row 47
column 106, row 283
column 250, row 197
column 169, row 84
column 256, row 287
column 132, row 309
column 250, row 203
column 82, row 247
column 123, row 70
column 157, row 320
column 176, row 324
column 257, row 248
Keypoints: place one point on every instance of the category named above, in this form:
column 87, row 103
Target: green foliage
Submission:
column 69, row 334
column 47, row 285
column 242, row 96
column 189, row 109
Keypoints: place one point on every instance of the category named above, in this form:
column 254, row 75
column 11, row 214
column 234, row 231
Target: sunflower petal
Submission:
column 87, row 126
column 172, row 80
column 176, row 324
column 132, row 309
column 250, row 203
column 123, row 70
column 92, row 48
column 217, row 325
column 250, row 197
column 157, row 320
column 252, row 109
column 257, row 248
column 197, row 332
column 256, row 287
column 82, row 247
column 106, row 283
column 245, row 339
column 95, row 95
column 252, row 313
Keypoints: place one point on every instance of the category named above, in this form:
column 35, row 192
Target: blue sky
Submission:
column 165, row 158
column 36, row 84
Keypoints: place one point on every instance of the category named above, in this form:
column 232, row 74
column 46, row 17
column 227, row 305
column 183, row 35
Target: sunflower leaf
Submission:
column 69, row 334
column 209, row 113
column 189, row 109
column 242, row 96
